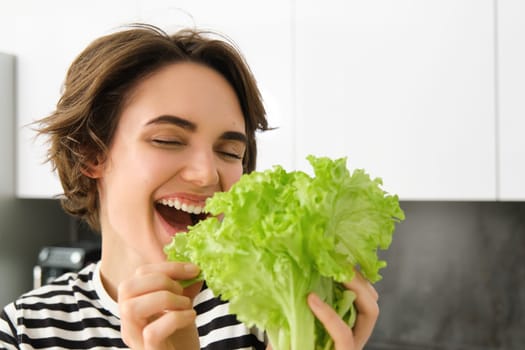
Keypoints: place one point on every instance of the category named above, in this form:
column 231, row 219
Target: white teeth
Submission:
column 188, row 208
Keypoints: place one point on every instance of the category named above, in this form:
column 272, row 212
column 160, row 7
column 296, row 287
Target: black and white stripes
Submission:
column 75, row 312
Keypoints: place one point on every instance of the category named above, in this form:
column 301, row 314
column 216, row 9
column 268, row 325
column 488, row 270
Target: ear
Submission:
column 93, row 169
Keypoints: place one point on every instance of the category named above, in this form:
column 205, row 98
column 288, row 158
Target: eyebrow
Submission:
column 235, row 136
column 171, row 119
column 190, row 126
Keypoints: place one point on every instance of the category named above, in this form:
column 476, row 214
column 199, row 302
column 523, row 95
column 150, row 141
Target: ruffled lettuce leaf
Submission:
column 285, row 234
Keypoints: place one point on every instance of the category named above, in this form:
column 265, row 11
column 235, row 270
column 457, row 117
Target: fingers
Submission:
column 161, row 276
column 175, row 270
column 153, row 306
column 156, row 333
column 147, row 306
column 367, row 314
column 192, row 290
column 367, row 308
column 337, row 329
column 136, row 286
column 360, row 283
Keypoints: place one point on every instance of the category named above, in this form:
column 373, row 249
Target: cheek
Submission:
column 230, row 177
column 134, row 172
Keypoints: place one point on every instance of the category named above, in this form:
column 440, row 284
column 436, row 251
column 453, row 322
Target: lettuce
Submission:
column 285, row 234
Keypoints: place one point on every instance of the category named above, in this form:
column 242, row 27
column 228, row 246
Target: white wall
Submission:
column 46, row 36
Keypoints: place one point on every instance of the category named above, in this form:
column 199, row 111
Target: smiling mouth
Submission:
column 178, row 214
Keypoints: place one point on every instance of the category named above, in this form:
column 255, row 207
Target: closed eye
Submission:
column 230, row 155
column 232, row 150
column 167, row 142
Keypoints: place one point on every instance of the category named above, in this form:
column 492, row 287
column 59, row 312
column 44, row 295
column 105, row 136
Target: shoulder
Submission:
column 60, row 293
column 65, row 313
column 31, row 309
column 8, row 334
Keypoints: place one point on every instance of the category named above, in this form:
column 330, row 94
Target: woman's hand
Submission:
column 346, row 338
column 156, row 312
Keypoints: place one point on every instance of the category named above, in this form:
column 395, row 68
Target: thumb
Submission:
column 192, row 290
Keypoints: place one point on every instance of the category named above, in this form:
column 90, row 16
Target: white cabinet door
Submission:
column 48, row 35
column 7, row 139
column 46, row 41
column 511, row 92
column 262, row 30
column 404, row 89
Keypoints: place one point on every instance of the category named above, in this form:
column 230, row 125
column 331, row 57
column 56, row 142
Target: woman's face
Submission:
column 180, row 138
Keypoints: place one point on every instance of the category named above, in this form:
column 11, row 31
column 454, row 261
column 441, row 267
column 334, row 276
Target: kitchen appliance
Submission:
column 55, row 260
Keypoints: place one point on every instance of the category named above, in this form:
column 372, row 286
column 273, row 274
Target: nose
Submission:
column 200, row 169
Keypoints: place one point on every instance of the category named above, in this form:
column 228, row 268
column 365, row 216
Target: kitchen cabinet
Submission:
column 425, row 95
column 511, row 92
column 47, row 41
column 7, row 138
column 404, row 89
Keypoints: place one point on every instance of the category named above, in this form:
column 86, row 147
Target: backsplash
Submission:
column 455, row 278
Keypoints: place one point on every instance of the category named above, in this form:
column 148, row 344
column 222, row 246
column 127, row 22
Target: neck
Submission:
column 115, row 267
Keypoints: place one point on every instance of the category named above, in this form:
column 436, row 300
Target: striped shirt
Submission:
column 75, row 312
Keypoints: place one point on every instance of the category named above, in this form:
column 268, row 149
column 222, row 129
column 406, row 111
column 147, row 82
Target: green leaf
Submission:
column 286, row 234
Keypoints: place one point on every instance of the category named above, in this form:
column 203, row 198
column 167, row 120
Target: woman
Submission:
column 148, row 127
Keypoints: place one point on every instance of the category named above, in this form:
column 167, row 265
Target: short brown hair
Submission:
column 97, row 83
